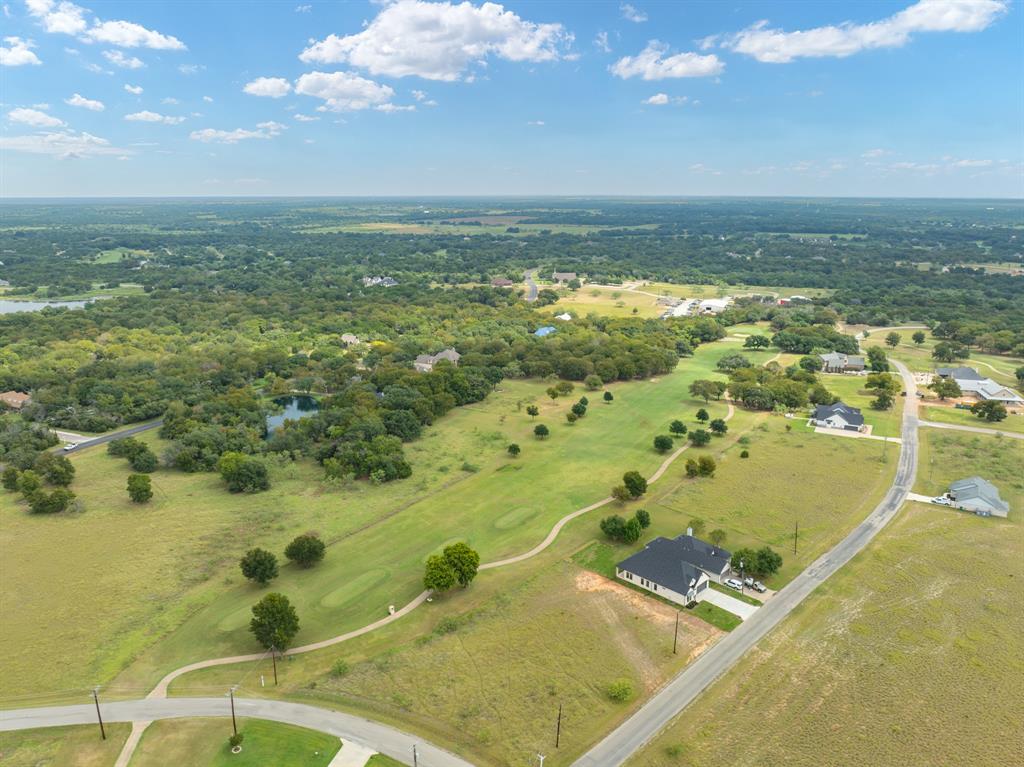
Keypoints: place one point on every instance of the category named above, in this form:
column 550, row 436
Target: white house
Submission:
column 678, row 569
column 838, row 416
column 978, row 495
column 976, row 386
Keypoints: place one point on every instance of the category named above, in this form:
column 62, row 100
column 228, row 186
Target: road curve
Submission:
column 130, row 431
column 386, row 740
column 531, row 286
column 973, row 429
column 660, row 710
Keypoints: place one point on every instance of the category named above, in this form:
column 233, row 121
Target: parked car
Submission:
column 748, row 582
column 732, row 583
column 759, row 587
column 942, row 500
column 71, row 446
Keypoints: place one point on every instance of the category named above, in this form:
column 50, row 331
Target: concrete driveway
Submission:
column 730, row 604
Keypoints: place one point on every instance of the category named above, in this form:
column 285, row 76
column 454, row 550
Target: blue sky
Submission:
column 435, row 98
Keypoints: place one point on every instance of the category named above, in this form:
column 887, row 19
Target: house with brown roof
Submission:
column 501, row 282
column 425, row 362
column 15, row 400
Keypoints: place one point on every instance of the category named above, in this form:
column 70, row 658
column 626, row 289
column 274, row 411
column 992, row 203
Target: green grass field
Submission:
column 850, row 389
column 157, row 586
column 116, row 255
column 947, row 456
column 62, row 746
column 204, row 743
column 897, row 659
column 943, row 414
column 997, row 367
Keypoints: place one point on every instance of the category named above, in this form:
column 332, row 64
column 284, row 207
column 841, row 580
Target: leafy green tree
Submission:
column 877, row 360
column 552, row 392
column 707, row 390
column 883, row 400
column 643, row 517
column 692, row 469
column 613, row 527
column 717, row 537
column 989, row 410
column 579, row 409
column 532, row 410
column 143, row 460
column 918, row 337
column 305, row 550
column 1019, row 373
column 571, row 417
column 593, row 382
column 893, row 339
column 767, row 562
column 140, row 488
column 463, row 561
column 54, row 502
column 514, row 450
column 757, row 342
column 718, row 426
column 663, row 443
column 946, row 351
column 608, row 397
column 811, row 363
column 259, row 565
column 706, row 466
column 10, row 479
column 564, row 387
column 702, row 415
column 632, row 531
column 733, row 362
column 540, row 431
column 635, row 483
column 698, row 526
column 678, row 428
column 621, row 493
column 29, row 482
column 744, row 559
column 620, row 691
column 882, row 382
column 945, row 387
column 274, row 622
column 438, row 575
column 55, row 469
column 700, row 437
column 243, row 473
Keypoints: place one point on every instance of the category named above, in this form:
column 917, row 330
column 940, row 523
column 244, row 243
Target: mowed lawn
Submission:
column 610, row 302
column 63, row 746
column 946, row 414
column 999, row 368
column 150, row 588
column 204, row 743
column 912, row 654
column 850, row 390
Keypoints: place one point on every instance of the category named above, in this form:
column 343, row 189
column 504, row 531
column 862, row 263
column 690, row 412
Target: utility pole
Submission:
column 273, row 655
column 96, row 700
column 675, row 638
column 741, row 575
column 234, row 724
column 415, row 756
column 796, row 532
column 558, row 727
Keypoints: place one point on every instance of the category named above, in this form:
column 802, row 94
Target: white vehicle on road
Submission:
column 70, row 445
column 942, row 500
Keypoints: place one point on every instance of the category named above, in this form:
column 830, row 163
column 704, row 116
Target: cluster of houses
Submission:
column 979, row 388
column 383, row 282
column 425, row 362
column 687, row 307
column 678, row 569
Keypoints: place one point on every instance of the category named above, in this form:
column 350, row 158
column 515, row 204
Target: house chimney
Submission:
column 689, row 531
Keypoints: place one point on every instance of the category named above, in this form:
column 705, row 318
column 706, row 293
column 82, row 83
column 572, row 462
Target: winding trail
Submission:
column 160, row 691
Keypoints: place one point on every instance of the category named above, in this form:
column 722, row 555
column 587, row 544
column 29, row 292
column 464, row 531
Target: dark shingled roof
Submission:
column 660, row 562
column 963, row 373
column 851, row 415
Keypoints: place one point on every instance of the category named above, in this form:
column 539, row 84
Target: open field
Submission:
column 116, row 255
column 850, row 389
column 943, row 414
column 465, row 229
column 896, row 660
column 204, row 743
column 62, row 746
column 157, row 585
column 947, row 456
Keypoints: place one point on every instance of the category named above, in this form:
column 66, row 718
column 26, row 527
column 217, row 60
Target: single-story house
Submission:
column 544, row 331
column 837, row 362
column 987, row 389
column 15, row 400
column 564, row 316
column 978, row 495
column 561, row 277
column 961, row 373
column 425, row 362
column 501, row 282
column 678, row 569
column 348, row 338
column 838, row 416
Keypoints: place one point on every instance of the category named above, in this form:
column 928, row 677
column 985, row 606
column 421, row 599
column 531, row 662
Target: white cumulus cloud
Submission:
column 127, row 34
column 79, row 100
column 601, row 42
column 145, row 116
column 439, row 41
column 658, row 99
column 631, row 13
column 34, row 117
column 343, row 91
column 65, row 145
column 265, row 130
column 272, row 87
column 60, row 18
column 776, row 46
column 16, row 52
column 652, row 63
column 118, row 59
column 304, row 118
column 133, row 89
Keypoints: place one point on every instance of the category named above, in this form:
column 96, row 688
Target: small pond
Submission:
column 299, row 406
column 10, row 307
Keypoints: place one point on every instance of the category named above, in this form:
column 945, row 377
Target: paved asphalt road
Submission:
column 379, row 737
column 973, row 429
column 112, row 436
column 647, row 722
column 531, row 286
